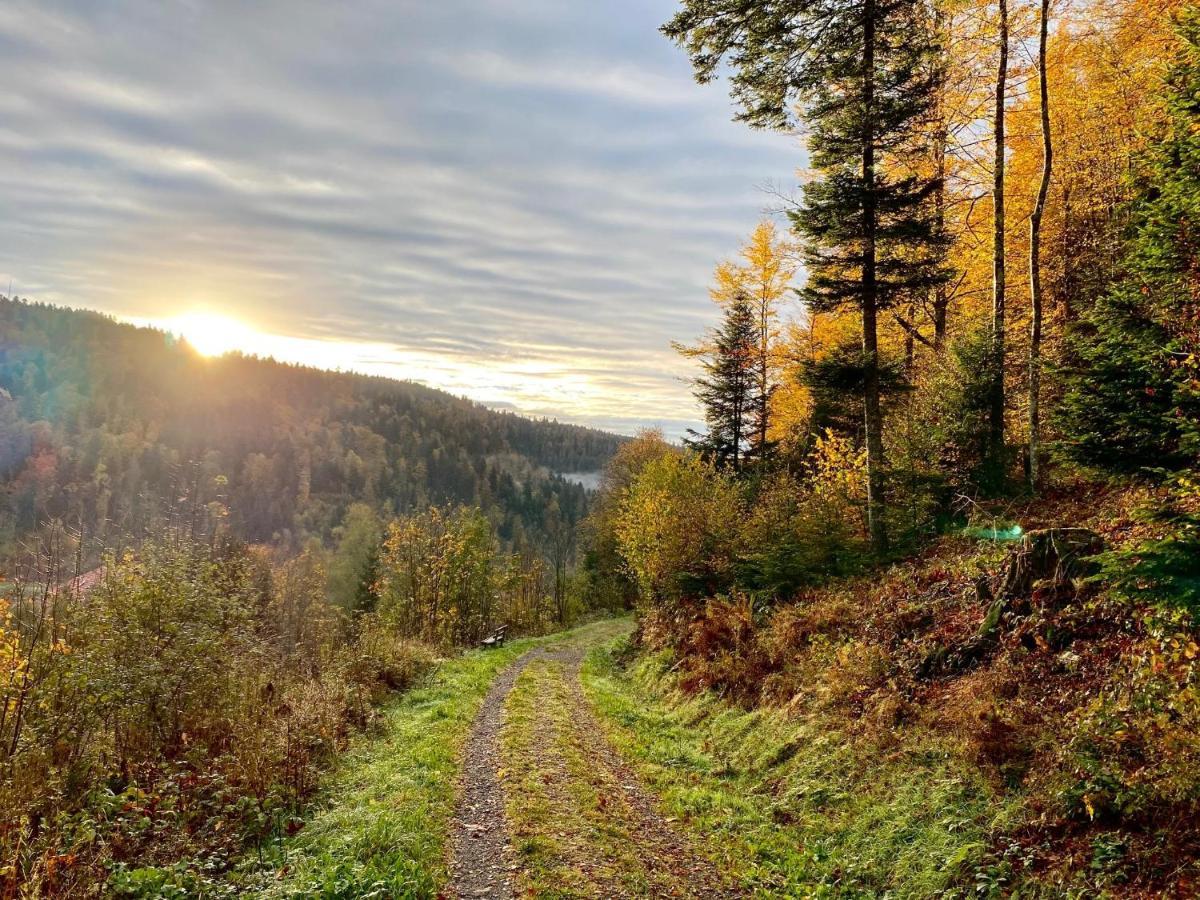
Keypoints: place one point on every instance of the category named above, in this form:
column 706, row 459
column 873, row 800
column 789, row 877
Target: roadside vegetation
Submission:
column 915, row 731
column 793, row 803
column 166, row 718
column 379, row 826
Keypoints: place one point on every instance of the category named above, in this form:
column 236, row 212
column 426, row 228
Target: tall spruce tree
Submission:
column 861, row 74
column 728, row 388
column 1133, row 387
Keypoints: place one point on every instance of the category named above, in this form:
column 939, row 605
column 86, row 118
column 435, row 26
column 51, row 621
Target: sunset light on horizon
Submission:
column 520, row 202
column 567, row 390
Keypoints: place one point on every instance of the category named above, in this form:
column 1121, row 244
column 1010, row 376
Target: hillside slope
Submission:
column 920, row 732
column 111, row 428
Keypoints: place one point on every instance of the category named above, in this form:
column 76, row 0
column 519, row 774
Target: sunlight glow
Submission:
column 211, row 334
column 534, row 387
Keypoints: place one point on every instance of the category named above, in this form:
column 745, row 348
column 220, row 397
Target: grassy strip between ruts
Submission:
column 571, row 826
column 548, row 828
column 784, row 804
column 380, row 829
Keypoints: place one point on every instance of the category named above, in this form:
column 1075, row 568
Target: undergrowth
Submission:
column 894, row 735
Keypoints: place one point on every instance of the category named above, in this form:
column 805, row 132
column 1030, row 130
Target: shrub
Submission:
column 385, row 658
column 1136, row 750
column 798, row 533
column 951, row 416
column 679, row 529
column 441, row 579
column 1162, row 571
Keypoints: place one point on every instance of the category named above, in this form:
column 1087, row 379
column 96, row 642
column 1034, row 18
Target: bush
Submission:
column 442, row 579
column 1163, row 571
column 952, row 412
column 1136, row 750
column 679, row 530
column 799, row 533
column 385, row 658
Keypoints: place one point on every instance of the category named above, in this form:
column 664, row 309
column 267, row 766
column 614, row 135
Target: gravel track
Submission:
column 481, row 857
column 483, row 863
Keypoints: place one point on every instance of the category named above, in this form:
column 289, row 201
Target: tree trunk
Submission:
column 764, row 376
column 1035, row 263
column 941, row 294
column 738, row 429
column 1067, row 287
column 872, row 413
column 910, row 343
column 996, row 410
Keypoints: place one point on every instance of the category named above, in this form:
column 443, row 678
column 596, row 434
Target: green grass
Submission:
column 380, row 828
column 547, row 825
column 572, row 829
column 789, row 804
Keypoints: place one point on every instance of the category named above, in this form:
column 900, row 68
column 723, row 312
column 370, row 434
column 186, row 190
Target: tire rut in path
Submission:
column 481, row 859
column 671, row 862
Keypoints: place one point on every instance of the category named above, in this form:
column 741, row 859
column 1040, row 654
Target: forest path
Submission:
column 547, row 806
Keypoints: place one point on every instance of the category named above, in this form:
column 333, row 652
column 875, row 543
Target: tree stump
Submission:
column 1053, row 557
column 1050, row 562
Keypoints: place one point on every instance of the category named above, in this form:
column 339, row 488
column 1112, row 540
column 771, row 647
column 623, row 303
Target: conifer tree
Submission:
column 762, row 275
column 861, row 74
column 1133, row 389
column 728, row 388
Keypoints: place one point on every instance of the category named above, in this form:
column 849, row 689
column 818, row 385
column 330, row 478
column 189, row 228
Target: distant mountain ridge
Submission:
column 110, row 428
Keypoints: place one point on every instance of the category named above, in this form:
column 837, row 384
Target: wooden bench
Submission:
column 495, row 639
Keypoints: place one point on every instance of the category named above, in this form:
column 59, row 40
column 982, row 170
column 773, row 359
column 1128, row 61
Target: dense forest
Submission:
column 111, row 429
column 943, row 523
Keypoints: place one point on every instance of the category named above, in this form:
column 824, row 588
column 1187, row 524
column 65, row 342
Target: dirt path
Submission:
column 549, row 807
column 481, row 857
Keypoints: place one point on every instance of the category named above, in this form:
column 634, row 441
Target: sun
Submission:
column 212, row 334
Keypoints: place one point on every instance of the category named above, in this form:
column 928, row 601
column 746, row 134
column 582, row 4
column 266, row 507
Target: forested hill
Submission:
column 111, row 428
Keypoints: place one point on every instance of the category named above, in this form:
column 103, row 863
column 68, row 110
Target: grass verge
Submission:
column 786, row 803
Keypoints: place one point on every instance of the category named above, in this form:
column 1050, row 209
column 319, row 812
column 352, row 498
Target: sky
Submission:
column 520, row 201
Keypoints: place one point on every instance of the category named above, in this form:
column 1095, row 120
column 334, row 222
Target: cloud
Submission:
column 527, row 196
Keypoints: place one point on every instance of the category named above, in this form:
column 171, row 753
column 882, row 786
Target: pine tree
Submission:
column 863, row 77
column 728, row 389
column 762, row 275
column 1133, row 388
